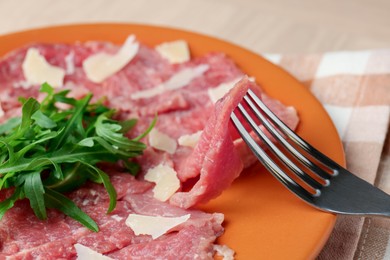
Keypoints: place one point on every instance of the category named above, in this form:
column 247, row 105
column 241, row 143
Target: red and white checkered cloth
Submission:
column 354, row 88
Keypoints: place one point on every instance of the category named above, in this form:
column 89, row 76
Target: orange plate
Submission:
column 263, row 219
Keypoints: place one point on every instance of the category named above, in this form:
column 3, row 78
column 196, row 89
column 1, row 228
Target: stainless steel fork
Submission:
column 321, row 182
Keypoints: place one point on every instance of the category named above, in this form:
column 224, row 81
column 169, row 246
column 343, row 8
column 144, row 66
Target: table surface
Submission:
column 277, row 26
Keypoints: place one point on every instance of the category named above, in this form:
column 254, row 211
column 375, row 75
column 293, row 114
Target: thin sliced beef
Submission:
column 214, row 158
column 30, row 238
column 205, row 171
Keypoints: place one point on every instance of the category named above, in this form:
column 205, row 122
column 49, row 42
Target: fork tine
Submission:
column 280, row 155
column 268, row 162
column 345, row 194
column 318, row 156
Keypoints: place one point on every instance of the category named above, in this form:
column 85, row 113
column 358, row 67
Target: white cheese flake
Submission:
column 185, row 76
column 189, row 140
column 221, row 90
column 175, row 52
column 117, row 218
column 161, row 141
column 178, row 80
column 224, row 251
column 86, row 253
column 100, row 66
column 37, row 70
column 154, row 226
column 69, row 62
column 22, row 84
column 165, row 178
column 1, row 111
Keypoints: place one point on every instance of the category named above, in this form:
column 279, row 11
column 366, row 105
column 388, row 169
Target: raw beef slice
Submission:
column 214, row 163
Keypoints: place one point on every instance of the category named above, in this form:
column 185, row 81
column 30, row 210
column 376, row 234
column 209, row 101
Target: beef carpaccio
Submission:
column 184, row 108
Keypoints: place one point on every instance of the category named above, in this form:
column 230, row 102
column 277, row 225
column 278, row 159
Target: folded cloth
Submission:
column 354, row 88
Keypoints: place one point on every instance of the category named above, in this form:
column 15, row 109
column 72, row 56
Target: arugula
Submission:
column 49, row 151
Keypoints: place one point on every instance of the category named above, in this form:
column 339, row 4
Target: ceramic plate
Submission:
column 263, row 219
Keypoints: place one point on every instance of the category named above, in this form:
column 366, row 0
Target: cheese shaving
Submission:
column 165, row 178
column 178, row 80
column 100, row 66
column 161, row 141
column 22, row 84
column 69, row 61
column 224, row 251
column 154, row 226
column 37, row 70
column 86, row 253
column 174, row 52
column 221, row 90
column 1, row 111
column 189, row 140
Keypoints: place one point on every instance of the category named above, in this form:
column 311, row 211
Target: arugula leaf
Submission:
column 10, row 125
column 33, row 189
column 105, row 179
column 49, row 151
column 76, row 118
column 9, row 202
column 29, row 108
column 42, row 120
column 58, row 201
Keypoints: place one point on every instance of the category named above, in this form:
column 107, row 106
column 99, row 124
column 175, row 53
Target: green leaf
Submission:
column 115, row 150
column 147, row 131
column 76, row 117
column 41, row 163
column 133, row 168
column 33, row 189
column 58, row 201
column 50, row 150
column 11, row 155
column 109, row 131
column 110, row 189
column 9, row 202
column 10, row 125
column 5, row 177
column 46, row 88
column 71, row 178
column 61, row 156
column 42, row 139
column 105, row 179
column 29, row 108
column 88, row 142
column 42, row 120
column 127, row 125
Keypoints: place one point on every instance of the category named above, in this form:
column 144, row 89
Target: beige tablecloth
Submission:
column 354, row 88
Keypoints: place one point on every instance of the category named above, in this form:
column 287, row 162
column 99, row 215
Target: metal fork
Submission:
column 321, row 182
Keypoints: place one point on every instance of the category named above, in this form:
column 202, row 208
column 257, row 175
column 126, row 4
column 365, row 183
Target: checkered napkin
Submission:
column 354, row 88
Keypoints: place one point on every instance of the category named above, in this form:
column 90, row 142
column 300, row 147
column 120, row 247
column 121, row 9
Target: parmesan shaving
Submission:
column 162, row 142
column 69, row 61
column 37, row 70
column 189, row 140
column 185, row 76
column 100, row 66
column 86, row 253
column 178, row 80
column 174, row 52
column 166, row 181
column 1, row 111
column 221, row 90
column 154, row 226
column 22, row 84
column 117, row 218
column 224, row 251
